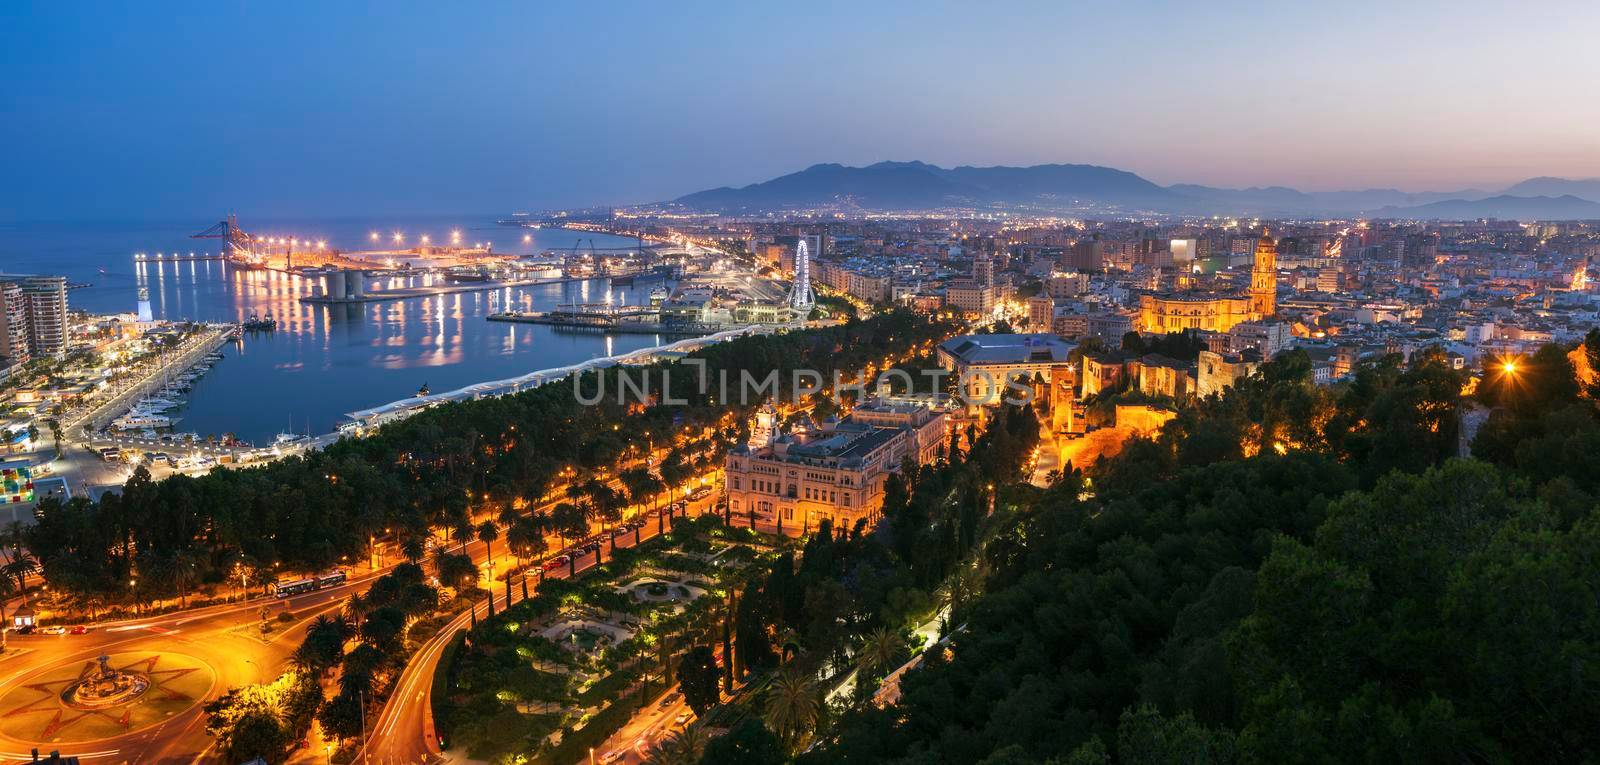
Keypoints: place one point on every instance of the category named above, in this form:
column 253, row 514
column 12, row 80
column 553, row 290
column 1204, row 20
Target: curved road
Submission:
column 404, row 729
column 224, row 641
column 222, row 638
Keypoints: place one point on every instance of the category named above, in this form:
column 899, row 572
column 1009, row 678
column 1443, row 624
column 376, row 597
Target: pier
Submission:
column 404, row 293
column 367, row 419
column 174, row 257
column 196, row 348
column 638, row 322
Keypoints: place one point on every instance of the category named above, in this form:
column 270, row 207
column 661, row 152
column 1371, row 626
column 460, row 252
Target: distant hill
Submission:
column 918, row 185
column 1281, row 199
column 1554, row 187
column 1564, row 207
column 1089, row 188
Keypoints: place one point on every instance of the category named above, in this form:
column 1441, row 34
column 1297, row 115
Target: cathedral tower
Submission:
column 1264, row 277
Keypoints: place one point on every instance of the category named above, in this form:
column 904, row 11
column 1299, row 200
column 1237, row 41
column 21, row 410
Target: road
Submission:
column 220, row 645
column 190, row 657
column 404, row 730
column 648, row 726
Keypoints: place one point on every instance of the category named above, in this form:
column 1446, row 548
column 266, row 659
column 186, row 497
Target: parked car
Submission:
column 54, row 629
column 671, row 698
column 560, row 561
column 79, row 629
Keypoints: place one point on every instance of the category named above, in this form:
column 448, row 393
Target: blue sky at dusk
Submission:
column 160, row 110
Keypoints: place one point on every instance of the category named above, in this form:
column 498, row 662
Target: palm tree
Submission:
column 521, row 537
column 793, row 706
column 462, row 530
column 20, row 565
column 55, row 434
column 412, row 548
column 487, row 533
column 879, row 652
column 7, row 589
column 684, row 747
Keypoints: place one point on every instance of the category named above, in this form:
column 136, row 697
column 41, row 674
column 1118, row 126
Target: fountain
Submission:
column 105, row 687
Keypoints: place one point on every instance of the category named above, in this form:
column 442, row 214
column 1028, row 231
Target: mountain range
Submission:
column 1092, row 188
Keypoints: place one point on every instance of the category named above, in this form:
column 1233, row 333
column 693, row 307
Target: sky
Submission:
column 162, row 110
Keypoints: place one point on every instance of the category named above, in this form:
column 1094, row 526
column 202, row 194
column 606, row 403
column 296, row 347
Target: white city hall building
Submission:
column 834, row 471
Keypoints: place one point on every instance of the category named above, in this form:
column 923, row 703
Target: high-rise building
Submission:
column 1183, row 253
column 13, row 326
column 45, row 304
column 1041, row 313
column 1086, row 255
column 1264, row 277
column 983, row 271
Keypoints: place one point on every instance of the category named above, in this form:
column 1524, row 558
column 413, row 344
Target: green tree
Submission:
column 488, row 532
column 698, row 676
column 748, row 743
column 793, row 706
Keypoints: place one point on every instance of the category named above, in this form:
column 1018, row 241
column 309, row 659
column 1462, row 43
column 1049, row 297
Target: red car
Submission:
column 79, row 629
column 557, row 562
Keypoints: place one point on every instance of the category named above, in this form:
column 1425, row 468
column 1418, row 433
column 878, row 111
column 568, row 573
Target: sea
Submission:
column 323, row 362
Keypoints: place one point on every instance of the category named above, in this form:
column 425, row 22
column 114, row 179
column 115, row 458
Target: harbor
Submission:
column 140, row 404
column 300, row 365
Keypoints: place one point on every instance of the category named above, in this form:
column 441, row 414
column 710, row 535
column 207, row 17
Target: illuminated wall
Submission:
column 1163, row 314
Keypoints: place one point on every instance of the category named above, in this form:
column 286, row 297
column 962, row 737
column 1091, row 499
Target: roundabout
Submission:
column 108, row 696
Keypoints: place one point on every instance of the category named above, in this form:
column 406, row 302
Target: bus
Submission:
column 329, row 580
column 302, row 586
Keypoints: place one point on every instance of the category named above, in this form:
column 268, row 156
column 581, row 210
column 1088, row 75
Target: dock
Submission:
column 622, row 322
column 406, row 293
column 209, row 340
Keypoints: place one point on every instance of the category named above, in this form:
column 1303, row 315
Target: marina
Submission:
column 144, row 404
column 320, row 361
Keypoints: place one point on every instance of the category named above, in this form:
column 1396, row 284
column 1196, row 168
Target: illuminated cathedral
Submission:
column 1166, row 312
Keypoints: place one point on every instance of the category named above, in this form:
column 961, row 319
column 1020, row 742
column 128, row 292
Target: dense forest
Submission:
column 1291, row 573
column 431, row 471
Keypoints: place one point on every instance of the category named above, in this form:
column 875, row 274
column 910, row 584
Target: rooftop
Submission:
column 1036, row 347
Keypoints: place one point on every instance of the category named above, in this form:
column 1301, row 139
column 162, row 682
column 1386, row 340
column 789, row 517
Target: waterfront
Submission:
column 323, row 361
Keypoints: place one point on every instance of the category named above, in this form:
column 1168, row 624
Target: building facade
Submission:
column 793, row 481
column 983, row 364
column 44, row 303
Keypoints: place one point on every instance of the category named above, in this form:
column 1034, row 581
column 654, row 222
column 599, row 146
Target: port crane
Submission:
column 238, row 244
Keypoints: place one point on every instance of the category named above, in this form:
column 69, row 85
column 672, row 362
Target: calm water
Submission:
column 323, row 361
